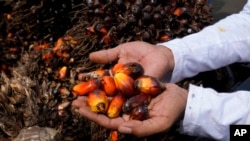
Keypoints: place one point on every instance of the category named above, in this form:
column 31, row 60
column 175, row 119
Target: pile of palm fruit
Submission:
column 44, row 46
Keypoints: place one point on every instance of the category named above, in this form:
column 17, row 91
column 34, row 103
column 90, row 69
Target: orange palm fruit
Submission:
column 115, row 106
column 179, row 11
column 90, row 30
column 108, row 85
column 62, row 72
column 116, row 67
column 106, row 39
column 58, row 45
column 124, row 84
column 83, row 88
column 47, row 56
column 149, row 85
column 135, row 101
column 139, row 113
column 132, row 69
column 114, row 135
column 41, row 46
column 98, row 101
column 165, row 38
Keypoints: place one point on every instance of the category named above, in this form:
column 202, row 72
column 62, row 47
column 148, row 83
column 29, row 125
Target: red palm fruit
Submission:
column 139, row 113
column 115, row 106
column 103, row 30
column 149, row 85
column 42, row 46
column 62, row 72
column 179, row 11
column 132, row 69
column 90, row 30
column 108, row 85
column 98, row 101
column 114, row 135
column 85, row 87
column 135, row 101
column 47, row 56
column 58, row 45
column 164, row 38
column 116, row 67
column 124, row 84
column 106, row 39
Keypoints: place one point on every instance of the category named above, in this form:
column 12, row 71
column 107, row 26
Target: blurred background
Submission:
column 223, row 8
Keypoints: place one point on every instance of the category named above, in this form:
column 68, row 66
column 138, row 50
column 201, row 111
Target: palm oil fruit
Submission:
column 62, row 72
column 114, row 135
column 135, row 101
column 108, row 85
column 149, row 85
column 98, row 101
column 115, row 106
column 124, row 84
column 133, row 69
column 83, row 88
column 139, row 113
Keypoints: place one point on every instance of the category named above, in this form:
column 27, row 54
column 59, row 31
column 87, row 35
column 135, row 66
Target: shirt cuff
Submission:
column 192, row 111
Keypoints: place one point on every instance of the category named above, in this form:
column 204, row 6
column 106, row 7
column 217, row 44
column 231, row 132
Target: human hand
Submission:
column 156, row 60
column 164, row 110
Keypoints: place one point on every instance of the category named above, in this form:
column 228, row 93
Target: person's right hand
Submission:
column 156, row 60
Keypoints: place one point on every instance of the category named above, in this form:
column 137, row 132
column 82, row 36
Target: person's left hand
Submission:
column 164, row 110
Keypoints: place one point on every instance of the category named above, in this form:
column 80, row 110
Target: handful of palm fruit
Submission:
column 122, row 89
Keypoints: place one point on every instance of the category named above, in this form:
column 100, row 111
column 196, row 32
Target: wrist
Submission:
column 169, row 56
column 184, row 95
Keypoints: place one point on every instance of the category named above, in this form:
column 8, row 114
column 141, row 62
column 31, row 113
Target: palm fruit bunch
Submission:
column 108, row 23
column 122, row 89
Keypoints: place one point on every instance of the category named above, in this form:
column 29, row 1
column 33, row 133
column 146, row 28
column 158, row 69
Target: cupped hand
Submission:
column 156, row 60
column 164, row 110
column 80, row 104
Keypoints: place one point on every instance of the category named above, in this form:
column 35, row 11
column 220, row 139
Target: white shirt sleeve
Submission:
column 218, row 45
column 208, row 113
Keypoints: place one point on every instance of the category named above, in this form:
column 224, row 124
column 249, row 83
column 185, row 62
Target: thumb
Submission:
column 141, row 128
column 105, row 56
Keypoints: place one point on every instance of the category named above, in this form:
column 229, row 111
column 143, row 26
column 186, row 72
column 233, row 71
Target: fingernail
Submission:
column 125, row 130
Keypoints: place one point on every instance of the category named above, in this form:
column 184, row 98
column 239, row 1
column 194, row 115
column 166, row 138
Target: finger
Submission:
column 101, row 119
column 143, row 128
column 80, row 102
column 105, row 56
column 84, row 110
column 153, row 102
